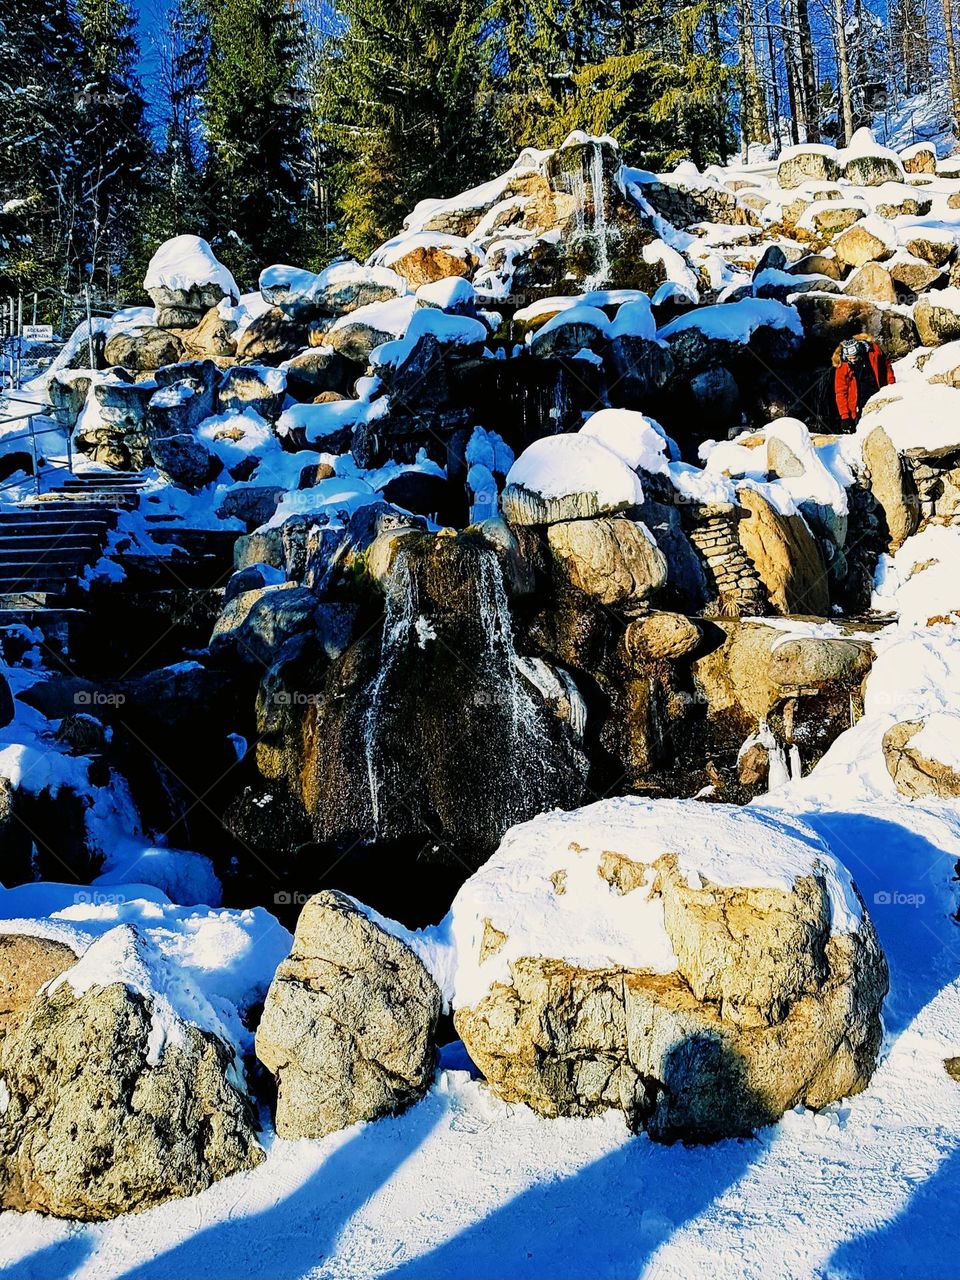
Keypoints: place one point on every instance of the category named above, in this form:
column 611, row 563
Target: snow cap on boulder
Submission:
column 568, row 477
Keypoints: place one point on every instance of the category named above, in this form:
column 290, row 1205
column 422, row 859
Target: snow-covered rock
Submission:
column 598, row 966
column 184, row 279
column 568, row 478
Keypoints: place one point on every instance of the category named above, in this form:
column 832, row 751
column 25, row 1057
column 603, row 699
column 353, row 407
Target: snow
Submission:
column 920, row 582
column 863, row 143
column 321, row 421
column 939, row 739
column 386, row 317
column 452, row 291
column 566, row 464
column 736, row 321
column 123, row 956
column 336, row 499
column 915, row 415
column 592, row 317
column 591, row 925
column 186, row 261
column 448, row 330
column 283, row 284
column 638, row 440
column 185, row 877
column 488, row 449
column 675, row 266
column 211, row 965
column 820, row 483
column 409, row 241
column 634, row 319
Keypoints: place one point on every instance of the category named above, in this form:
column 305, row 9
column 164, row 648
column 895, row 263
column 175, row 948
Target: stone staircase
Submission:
column 47, row 542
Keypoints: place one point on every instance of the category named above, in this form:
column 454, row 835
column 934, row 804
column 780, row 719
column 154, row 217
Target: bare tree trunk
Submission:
column 772, row 63
column 753, row 114
column 798, row 114
column 843, row 69
column 952, row 70
column 808, row 71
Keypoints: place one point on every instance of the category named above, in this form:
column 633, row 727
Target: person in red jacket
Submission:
column 861, row 368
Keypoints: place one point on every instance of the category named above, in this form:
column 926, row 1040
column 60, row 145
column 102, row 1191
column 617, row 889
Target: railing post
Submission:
column 36, row 460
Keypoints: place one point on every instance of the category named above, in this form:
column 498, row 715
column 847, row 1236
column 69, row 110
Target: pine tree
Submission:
column 255, row 123
column 40, row 81
column 402, row 105
column 115, row 148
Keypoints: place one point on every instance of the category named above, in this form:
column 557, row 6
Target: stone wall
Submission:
column 736, row 583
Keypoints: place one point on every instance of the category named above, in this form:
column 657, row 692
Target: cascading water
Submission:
column 585, row 184
column 456, row 740
column 398, row 625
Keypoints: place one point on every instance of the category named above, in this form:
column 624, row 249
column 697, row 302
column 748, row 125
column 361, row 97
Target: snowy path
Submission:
column 466, row 1186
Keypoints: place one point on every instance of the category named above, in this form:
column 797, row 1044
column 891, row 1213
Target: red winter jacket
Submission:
column 845, row 386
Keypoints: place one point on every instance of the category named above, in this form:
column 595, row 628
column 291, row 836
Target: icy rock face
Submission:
column 495, row 739
column 348, row 1024
column 103, row 1118
column 701, row 969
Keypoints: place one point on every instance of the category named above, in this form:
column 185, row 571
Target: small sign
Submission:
column 38, row 332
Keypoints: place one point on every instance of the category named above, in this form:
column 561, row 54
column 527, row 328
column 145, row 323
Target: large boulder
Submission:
column 786, row 556
column 143, row 350
column 313, row 372
column 920, row 158
column 113, row 1102
column 271, row 338
column 256, row 624
column 349, row 1022
column 613, row 560
column 257, row 387
column 873, row 282
column 805, row 164
column 185, row 280
column 701, row 969
column 867, row 240
column 213, row 337
column 937, row 317
column 891, row 483
column 426, row 257
column 913, row 273
column 568, row 477
column 923, row 756
column 184, row 459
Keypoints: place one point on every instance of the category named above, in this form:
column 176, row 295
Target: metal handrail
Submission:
column 32, row 434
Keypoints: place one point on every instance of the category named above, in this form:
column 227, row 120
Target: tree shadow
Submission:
column 607, row 1220
column 921, row 1241
column 897, row 871
column 295, row 1235
column 55, row 1261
